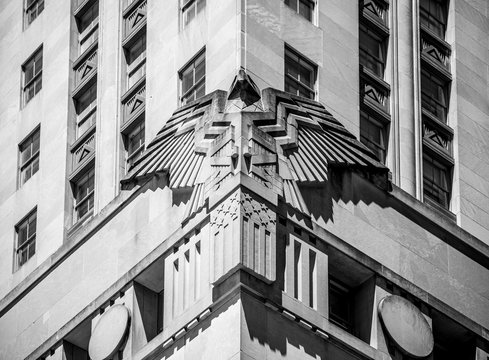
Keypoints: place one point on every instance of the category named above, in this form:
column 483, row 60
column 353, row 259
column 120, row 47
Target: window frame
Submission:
column 294, row 5
column 77, row 203
column 29, row 241
column 335, row 285
column 36, row 76
column 35, row 155
column 133, row 154
column 383, row 126
column 427, row 18
column 191, row 6
column 445, row 87
column 381, row 40
column 444, row 166
column 301, row 59
column 135, row 66
column 193, row 63
column 35, row 4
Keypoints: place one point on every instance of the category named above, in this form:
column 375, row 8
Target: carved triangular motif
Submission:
column 137, row 103
column 84, row 153
column 89, row 66
column 140, row 15
column 370, row 5
column 434, row 53
column 371, row 93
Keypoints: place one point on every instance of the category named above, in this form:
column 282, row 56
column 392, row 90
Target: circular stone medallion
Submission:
column 406, row 325
column 108, row 335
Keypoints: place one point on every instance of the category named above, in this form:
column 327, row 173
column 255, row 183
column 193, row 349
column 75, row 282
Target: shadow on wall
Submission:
column 282, row 336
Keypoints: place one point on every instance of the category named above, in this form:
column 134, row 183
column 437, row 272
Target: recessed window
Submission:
column 87, row 23
column 29, row 156
column 434, row 95
column 136, row 60
column 373, row 135
column 436, row 180
column 192, row 78
column 190, row 9
column 32, row 10
column 300, row 75
column 135, row 143
column 32, row 76
column 86, row 99
column 88, row 16
column 433, row 15
column 372, row 51
column 25, row 246
column 340, row 304
column 84, row 194
column 304, row 8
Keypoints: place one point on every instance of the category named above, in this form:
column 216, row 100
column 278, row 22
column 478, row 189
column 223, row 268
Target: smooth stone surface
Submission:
column 406, row 326
column 109, row 333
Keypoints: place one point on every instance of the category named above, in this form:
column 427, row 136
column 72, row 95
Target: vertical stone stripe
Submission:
column 256, row 248
column 175, row 297
column 197, row 271
column 312, row 279
column 268, row 255
column 186, row 279
column 297, row 275
column 244, row 242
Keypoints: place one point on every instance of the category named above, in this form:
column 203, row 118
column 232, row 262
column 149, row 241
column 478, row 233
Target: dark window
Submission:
column 84, row 194
column 433, row 14
column 304, row 8
column 26, row 239
column 190, row 9
column 436, row 180
column 340, row 304
column 135, row 143
column 193, row 79
column 372, row 51
column 136, row 60
column 434, row 95
column 32, row 10
column 86, row 99
column 373, row 135
column 29, row 157
column 32, row 70
column 85, row 19
column 300, row 75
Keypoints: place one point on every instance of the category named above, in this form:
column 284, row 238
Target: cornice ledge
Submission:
column 453, row 234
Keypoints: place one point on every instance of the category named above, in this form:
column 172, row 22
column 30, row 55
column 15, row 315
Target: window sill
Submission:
column 436, row 66
column 130, row 38
column 81, row 221
column 80, row 169
column 83, row 137
column 437, row 208
column 84, row 85
column 375, row 22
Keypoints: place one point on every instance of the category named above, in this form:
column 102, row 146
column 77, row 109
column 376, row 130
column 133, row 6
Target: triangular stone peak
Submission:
column 243, row 95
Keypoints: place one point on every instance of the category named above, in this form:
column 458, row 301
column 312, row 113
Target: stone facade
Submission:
column 255, row 224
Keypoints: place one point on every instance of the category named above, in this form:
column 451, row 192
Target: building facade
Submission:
column 259, row 179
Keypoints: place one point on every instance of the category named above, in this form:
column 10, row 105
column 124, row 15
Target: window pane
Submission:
column 306, row 75
column 32, row 226
column 305, row 9
column 29, row 72
column 301, row 70
column 137, row 49
column 187, row 80
column 199, row 70
column 292, row 68
column 200, row 91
